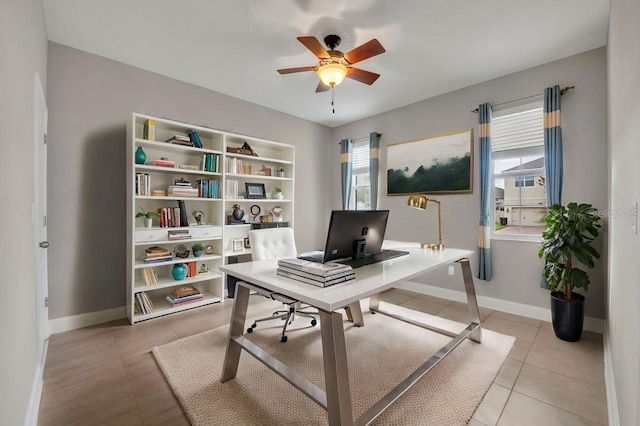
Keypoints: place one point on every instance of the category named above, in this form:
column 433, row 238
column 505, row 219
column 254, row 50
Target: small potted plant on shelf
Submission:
column 570, row 231
column 280, row 172
column 197, row 249
column 277, row 194
column 148, row 216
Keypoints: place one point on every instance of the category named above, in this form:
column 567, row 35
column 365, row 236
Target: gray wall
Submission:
column 90, row 101
column 623, row 315
column 23, row 48
column 516, row 265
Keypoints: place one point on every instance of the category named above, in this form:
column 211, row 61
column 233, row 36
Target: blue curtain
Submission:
column 553, row 145
column 552, row 150
column 485, row 271
column 346, row 151
column 374, row 167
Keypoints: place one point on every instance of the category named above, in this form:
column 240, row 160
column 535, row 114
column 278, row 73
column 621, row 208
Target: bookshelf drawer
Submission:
column 150, row 235
column 205, row 231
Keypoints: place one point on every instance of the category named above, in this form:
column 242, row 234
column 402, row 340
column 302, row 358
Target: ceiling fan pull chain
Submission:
column 333, row 109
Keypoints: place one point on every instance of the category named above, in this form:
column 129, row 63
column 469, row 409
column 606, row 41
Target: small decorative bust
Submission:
column 198, row 215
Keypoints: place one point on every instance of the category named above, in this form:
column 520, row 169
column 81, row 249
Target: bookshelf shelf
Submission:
column 209, row 169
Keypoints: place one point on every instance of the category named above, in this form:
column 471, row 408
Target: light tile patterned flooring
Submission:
column 106, row 375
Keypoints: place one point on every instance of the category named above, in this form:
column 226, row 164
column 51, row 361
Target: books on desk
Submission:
column 318, row 274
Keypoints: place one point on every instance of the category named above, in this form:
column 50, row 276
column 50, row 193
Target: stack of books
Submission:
column 318, row 274
column 182, row 191
column 180, row 140
column 156, row 254
column 178, row 234
column 185, row 294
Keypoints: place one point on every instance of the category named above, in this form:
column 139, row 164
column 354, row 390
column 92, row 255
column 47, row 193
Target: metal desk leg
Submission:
column 336, row 375
column 356, row 314
column 472, row 303
column 236, row 329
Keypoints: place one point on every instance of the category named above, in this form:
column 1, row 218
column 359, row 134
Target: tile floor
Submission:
column 106, row 375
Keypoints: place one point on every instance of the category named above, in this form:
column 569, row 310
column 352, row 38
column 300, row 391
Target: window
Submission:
column 360, row 186
column 520, row 198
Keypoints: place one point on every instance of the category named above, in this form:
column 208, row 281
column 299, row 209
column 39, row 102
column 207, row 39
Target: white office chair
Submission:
column 276, row 243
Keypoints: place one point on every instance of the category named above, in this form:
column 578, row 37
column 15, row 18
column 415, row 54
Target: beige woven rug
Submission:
column 380, row 355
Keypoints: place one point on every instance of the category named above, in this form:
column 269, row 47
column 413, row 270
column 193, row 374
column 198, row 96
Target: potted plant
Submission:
column 567, row 240
column 197, row 249
column 277, row 194
column 280, row 172
column 148, row 216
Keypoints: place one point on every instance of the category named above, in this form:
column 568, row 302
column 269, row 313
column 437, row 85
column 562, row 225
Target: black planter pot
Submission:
column 567, row 317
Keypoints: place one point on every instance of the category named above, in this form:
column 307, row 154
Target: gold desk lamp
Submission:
column 419, row 201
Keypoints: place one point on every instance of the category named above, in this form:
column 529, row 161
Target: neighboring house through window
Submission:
column 360, row 186
column 517, row 143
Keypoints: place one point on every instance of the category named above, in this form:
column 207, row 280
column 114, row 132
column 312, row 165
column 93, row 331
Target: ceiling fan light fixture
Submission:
column 332, row 74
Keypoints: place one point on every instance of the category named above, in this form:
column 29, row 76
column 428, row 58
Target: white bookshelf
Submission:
column 215, row 231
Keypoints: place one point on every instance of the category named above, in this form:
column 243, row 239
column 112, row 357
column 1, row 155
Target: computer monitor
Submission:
column 355, row 234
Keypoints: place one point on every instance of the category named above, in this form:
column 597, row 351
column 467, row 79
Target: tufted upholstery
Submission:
column 272, row 243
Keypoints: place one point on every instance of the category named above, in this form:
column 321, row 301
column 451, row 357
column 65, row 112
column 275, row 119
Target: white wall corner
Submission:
column 73, row 322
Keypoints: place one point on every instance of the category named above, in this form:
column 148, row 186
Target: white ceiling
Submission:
column 235, row 47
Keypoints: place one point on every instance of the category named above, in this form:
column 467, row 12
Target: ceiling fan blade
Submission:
column 314, row 46
column 366, row 51
column 362, row 76
column 322, row 87
column 298, row 69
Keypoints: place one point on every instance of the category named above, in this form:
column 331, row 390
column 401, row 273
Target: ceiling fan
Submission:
column 334, row 65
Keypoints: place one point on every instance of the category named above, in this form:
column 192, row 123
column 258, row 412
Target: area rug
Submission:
column 380, row 355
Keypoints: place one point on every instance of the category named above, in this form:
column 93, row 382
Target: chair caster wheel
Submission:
column 249, row 330
column 313, row 322
column 283, row 339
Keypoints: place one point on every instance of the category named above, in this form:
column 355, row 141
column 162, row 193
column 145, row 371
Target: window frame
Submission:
column 504, row 154
column 365, row 169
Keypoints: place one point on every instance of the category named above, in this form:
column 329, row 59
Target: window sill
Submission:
column 523, row 238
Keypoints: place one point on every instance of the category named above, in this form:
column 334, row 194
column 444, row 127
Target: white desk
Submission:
column 370, row 281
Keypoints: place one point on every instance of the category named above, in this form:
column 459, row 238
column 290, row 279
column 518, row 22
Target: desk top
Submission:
column 370, row 279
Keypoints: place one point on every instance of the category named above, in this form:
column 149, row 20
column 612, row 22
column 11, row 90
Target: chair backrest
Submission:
column 272, row 243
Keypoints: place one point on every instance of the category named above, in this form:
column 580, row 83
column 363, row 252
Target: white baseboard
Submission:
column 536, row 312
column 610, row 384
column 31, row 417
column 59, row 325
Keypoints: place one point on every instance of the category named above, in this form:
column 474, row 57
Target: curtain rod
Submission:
column 361, row 139
column 562, row 92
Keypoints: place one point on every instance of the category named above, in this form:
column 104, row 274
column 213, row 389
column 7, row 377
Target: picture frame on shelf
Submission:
column 237, row 244
column 255, row 190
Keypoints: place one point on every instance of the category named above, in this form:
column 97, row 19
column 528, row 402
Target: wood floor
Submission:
column 106, row 375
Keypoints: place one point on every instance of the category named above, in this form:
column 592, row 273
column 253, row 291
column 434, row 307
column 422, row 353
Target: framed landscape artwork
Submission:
column 436, row 164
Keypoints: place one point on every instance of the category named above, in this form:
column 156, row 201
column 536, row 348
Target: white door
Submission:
column 40, row 215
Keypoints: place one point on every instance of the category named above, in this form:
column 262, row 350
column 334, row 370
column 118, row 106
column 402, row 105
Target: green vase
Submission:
column 141, row 157
column 179, row 271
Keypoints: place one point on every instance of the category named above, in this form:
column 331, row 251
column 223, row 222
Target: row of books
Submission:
column 210, row 162
column 208, row 188
column 143, row 303
column 234, row 165
column 149, row 133
column 318, row 274
column 231, row 189
column 149, row 276
column 169, row 217
column 183, row 295
column 178, row 234
column 143, row 184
